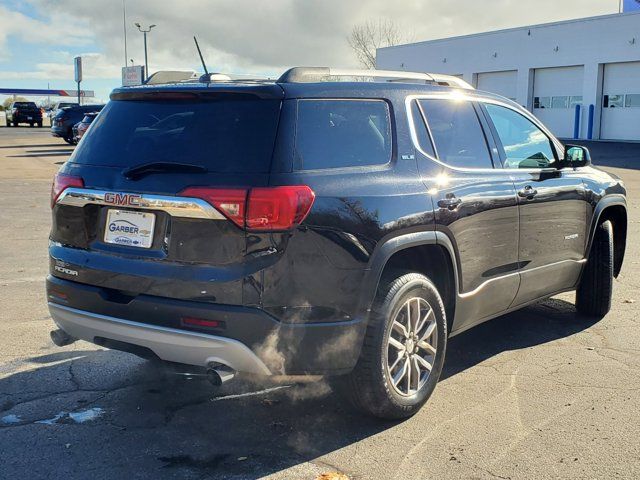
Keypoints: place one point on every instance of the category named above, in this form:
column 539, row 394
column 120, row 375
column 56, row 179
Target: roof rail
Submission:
column 327, row 74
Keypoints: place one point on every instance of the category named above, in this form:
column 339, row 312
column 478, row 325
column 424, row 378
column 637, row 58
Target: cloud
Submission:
column 94, row 66
column 34, row 31
column 254, row 36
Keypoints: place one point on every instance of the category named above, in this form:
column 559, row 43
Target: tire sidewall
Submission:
column 421, row 287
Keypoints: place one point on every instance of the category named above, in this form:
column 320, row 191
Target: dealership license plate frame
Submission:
column 142, row 238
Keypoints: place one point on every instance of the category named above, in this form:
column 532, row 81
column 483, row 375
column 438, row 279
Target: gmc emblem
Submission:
column 122, row 199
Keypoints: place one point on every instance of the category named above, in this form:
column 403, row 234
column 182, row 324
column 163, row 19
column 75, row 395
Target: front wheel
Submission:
column 403, row 350
column 593, row 296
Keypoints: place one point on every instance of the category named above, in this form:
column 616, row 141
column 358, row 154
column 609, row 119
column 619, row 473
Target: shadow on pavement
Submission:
column 43, row 154
column 61, row 144
column 149, row 424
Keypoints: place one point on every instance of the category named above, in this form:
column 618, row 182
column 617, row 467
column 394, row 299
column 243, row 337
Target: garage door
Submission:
column 556, row 91
column 502, row 83
column 621, row 102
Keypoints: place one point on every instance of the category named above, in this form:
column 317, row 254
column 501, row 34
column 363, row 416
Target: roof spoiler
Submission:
column 327, row 74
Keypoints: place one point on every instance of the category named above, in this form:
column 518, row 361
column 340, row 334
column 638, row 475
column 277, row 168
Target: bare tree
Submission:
column 9, row 100
column 366, row 37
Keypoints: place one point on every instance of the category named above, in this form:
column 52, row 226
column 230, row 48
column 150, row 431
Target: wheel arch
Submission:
column 430, row 253
column 614, row 209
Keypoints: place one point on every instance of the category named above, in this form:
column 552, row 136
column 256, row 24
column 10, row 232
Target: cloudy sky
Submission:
column 39, row 38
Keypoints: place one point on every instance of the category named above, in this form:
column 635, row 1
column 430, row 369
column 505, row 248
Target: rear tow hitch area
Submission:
column 61, row 338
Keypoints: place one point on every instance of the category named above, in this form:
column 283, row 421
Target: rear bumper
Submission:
column 59, row 131
column 250, row 340
column 168, row 344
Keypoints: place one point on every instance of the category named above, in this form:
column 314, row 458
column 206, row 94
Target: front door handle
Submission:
column 450, row 201
column 527, row 192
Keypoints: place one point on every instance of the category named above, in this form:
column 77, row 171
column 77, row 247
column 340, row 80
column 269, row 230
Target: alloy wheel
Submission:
column 412, row 346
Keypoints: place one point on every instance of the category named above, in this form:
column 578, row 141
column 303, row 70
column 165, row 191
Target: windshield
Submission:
column 222, row 135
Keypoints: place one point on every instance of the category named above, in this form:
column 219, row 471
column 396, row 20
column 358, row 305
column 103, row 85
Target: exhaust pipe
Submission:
column 61, row 338
column 219, row 374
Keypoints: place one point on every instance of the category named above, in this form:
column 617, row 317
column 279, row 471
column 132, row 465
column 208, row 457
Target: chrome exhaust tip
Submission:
column 219, row 374
column 61, row 338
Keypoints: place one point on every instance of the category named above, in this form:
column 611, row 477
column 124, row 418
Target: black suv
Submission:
column 322, row 224
column 24, row 112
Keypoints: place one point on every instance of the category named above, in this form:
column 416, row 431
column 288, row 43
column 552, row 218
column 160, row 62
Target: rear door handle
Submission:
column 450, row 201
column 527, row 192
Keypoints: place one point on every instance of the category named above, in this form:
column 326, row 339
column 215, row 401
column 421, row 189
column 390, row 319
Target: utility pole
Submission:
column 146, row 61
column 124, row 30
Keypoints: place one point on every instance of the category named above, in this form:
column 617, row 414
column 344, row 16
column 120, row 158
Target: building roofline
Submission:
column 512, row 29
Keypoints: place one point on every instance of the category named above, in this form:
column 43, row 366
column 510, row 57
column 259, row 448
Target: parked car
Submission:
column 51, row 111
column 80, row 128
column 321, row 225
column 65, row 118
column 24, row 112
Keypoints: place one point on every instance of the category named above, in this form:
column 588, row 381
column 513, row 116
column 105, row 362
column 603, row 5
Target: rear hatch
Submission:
column 135, row 212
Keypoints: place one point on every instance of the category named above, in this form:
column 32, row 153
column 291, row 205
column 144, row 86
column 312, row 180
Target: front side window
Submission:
column 524, row 144
column 342, row 133
column 457, row 133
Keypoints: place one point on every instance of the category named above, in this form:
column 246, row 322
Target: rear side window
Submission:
column 222, row 134
column 342, row 133
column 457, row 133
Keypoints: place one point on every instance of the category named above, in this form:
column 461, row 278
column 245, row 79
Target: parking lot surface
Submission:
column 541, row 393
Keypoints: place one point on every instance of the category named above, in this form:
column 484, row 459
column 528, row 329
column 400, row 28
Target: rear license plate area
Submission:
column 129, row 228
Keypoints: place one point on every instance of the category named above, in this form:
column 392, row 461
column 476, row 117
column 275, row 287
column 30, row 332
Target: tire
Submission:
column 593, row 296
column 39, row 124
column 31, row 124
column 15, row 124
column 68, row 140
column 371, row 386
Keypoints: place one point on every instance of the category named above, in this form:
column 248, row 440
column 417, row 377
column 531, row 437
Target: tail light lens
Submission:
column 61, row 182
column 259, row 209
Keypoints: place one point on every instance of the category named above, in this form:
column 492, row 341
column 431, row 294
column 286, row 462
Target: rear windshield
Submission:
column 223, row 135
column 24, row 105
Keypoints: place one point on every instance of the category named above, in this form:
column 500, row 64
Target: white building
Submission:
column 548, row 69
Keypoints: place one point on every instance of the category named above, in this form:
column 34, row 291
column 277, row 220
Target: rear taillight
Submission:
column 61, row 182
column 259, row 209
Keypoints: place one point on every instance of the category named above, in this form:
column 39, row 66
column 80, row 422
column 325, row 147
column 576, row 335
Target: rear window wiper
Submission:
column 139, row 171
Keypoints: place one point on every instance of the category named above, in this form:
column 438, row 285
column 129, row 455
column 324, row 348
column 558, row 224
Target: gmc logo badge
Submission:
column 131, row 199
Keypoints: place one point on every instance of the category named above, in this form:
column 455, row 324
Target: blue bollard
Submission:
column 590, row 124
column 576, row 123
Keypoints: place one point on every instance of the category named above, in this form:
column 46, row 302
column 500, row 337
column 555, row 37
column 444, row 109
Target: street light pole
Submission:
column 146, row 61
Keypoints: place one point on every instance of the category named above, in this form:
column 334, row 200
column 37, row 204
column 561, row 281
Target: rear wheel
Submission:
column 69, row 140
column 593, row 296
column 403, row 351
column 39, row 124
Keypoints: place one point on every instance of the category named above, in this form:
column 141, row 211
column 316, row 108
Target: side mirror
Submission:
column 575, row 156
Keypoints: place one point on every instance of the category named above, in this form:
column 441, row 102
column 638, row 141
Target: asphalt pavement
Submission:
column 541, row 393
